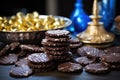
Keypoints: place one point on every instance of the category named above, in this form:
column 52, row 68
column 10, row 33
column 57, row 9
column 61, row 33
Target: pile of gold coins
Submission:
column 30, row 22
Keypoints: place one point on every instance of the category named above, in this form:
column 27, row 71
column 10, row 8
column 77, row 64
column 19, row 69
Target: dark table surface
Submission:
column 55, row 75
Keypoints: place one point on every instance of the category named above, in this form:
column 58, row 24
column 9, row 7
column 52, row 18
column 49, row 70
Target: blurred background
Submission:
column 54, row 7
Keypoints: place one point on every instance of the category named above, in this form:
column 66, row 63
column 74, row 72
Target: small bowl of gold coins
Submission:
column 30, row 27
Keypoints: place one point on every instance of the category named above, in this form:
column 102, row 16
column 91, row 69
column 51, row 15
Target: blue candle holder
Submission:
column 79, row 19
column 108, row 13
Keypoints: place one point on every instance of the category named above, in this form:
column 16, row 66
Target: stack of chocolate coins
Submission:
column 56, row 43
column 40, row 62
column 74, row 45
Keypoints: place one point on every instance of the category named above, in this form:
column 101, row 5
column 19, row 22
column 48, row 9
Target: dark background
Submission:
column 65, row 7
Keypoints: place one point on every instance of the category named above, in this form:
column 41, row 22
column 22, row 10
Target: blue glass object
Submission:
column 79, row 18
column 112, row 8
column 108, row 13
